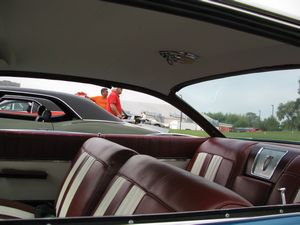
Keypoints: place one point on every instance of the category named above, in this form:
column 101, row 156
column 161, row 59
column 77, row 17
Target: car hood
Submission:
column 102, row 127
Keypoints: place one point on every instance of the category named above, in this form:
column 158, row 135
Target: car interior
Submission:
column 156, row 47
column 134, row 174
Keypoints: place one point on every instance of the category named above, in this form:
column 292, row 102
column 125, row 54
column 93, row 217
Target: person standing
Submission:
column 114, row 103
column 144, row 117
column 102, row 99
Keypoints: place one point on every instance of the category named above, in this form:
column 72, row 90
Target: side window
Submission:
column 260, row 105
column 24, row 109
column 78, row 107
column 15, row 105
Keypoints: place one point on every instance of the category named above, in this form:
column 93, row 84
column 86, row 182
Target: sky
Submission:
column 256, row 93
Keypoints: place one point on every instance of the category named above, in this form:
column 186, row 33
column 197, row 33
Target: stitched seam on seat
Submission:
column 198, row 163
column 227, row 203
column 213, row 167
column 109, row 196
column 94, row 156
column 150, row 194
column 131, row 201
column 75, row 185
column 79, row 162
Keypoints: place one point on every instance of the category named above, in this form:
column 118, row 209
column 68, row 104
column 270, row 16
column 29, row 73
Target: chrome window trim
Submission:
column 251, row 13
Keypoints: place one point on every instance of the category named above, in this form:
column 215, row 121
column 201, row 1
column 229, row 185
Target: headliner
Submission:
column 107, row 41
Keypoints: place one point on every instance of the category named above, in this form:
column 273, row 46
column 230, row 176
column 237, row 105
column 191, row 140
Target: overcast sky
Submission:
column 243, row 94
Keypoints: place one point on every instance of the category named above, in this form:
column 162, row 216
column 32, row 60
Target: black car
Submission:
column 21, row 108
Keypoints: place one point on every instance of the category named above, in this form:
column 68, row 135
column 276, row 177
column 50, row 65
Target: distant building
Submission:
column 9, row 83
column 225, row 127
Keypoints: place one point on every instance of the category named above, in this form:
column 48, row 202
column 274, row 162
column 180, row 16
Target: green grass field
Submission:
column 268, row 135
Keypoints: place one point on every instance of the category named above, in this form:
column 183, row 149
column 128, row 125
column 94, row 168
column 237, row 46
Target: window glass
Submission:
column 259, row 105
column 13, row 105
column 79, row 110
column 287, row 8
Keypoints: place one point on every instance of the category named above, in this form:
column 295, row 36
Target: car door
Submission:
column 29, row 171
column 18, row 113
column 33, row 163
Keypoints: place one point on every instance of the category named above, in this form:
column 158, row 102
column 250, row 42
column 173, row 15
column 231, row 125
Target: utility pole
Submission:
column 272, row 110
column 180, row 121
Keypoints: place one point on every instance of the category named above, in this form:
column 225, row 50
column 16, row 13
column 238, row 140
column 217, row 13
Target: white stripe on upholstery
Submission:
column 8, row 211
column 297, row 198
column 198, row 163
column 75, row 185
column 130, row 202
column 213, row 167
column 68, row 179
column 109, row 196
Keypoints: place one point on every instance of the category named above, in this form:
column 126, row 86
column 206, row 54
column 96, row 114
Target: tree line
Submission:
column 288, row 118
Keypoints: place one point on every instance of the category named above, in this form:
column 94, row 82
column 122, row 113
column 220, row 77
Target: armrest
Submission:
column 23, row 174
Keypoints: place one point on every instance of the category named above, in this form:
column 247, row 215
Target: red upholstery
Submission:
column 290, row 180
column 40, row 145
column 265, row 191
column 254, row 190
column 158, row 146
column 96, row 164
column 234, row 155
column 109, row 158
column 166, row 189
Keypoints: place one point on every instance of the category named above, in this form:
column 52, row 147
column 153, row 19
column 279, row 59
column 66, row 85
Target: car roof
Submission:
column 83, row 108
column 105, row 41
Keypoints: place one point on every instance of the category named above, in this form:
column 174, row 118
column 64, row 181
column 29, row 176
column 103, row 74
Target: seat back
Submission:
column 95, row 165
column 40, row 111
column 145, row 185
column 220, row 160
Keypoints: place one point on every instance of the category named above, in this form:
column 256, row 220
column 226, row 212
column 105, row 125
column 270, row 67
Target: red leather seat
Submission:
column 95, row 165
column 220, row 160
column 145, row 185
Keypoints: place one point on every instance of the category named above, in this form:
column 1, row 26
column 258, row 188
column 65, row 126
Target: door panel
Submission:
column 24, row 124
column 33, row 189
column 29, row 151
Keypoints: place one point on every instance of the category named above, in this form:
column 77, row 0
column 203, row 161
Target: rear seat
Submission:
column 220, row 160
column 146, row 185
column 95, row 185
column 96, row 164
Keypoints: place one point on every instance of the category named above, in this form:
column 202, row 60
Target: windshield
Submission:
column 262, row 105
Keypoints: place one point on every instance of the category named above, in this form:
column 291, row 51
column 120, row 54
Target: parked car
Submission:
column 19, row 108
column 235, row 62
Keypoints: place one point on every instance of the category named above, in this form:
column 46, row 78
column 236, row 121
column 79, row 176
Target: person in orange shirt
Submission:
column 102, row 99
